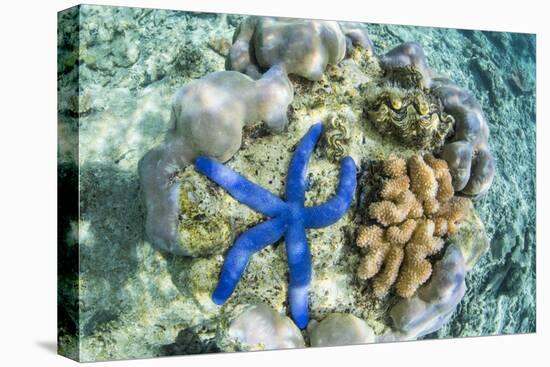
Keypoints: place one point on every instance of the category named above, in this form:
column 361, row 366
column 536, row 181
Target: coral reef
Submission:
column 301, row 47
column 434, row 303
column 414, row 116
column 224, row 102
column 417, row 210
column 288, row 218
column 340, row 329
column 259, row 327
column 142, row 300
column 202, row 229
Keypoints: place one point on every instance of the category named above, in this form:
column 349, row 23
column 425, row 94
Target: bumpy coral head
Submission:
column 304, row 47
column 471, row 162
column 209, row 118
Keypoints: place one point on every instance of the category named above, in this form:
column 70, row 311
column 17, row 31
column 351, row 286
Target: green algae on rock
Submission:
column 203, row 229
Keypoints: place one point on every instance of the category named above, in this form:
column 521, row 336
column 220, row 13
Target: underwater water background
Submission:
column 130, row 63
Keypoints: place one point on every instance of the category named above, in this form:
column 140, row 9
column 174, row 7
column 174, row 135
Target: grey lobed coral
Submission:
column 302, row 47
column 434, row 303
column 406, row 57
column 356, row 34
column 259, row 327
column 208, row 116
column 470, row 160
column 340, row 329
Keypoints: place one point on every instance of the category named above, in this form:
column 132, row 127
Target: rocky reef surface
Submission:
column 137, row 301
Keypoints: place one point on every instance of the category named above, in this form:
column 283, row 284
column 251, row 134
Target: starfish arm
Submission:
column 237, row 257
column 240, row 188
column 328, row 213
column 297, row 170
column 299, row 266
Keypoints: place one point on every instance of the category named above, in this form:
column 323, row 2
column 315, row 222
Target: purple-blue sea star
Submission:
column 288, row 218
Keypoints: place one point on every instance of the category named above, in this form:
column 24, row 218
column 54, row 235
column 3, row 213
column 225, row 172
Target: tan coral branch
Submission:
column 418, row 210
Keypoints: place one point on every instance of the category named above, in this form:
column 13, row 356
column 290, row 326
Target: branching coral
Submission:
column 418, row 209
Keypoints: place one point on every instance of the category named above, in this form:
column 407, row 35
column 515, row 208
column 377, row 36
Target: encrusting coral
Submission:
column 418, row 209
column 434, row 302
column 276, row 332
column 409, row 57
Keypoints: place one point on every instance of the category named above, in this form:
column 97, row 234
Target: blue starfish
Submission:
column 288, row 218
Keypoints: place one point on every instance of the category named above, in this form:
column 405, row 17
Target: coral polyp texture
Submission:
column 288, row 218
column 207, row 118
column 302, row 47
column 418, row 209
column 467, row 150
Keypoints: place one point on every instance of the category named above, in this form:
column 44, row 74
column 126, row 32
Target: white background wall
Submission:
column 28, row 181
